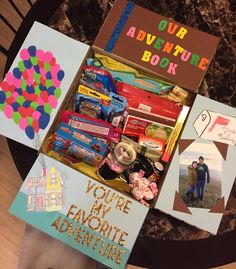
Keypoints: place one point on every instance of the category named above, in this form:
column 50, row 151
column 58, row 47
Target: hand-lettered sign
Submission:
column 83, row 213
column 158, row 44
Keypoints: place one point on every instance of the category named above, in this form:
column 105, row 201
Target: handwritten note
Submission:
column 216, row 127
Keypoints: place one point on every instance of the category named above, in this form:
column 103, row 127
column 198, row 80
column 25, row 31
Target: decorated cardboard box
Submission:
column 68, row 201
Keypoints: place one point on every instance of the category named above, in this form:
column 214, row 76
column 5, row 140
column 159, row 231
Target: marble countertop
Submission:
column 82, row 19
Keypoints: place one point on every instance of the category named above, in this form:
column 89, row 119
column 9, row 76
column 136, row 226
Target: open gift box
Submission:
column 76, row 207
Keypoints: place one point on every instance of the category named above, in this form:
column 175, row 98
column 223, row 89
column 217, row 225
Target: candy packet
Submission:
column 96, row 105
column 89, row 125
column 102, row 78
column 77, row 145
column 136, row 98
column 127, row 74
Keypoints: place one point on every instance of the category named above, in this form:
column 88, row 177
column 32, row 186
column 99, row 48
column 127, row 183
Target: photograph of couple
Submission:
column 200, row 175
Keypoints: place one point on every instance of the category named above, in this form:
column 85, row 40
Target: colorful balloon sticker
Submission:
column 31, row 90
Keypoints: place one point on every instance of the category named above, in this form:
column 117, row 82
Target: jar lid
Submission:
column 159, row 166
column 124, row 153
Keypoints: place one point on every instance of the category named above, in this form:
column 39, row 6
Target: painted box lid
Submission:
column 159, row 45
column 199, row 196
column 83, row 213
column 37, row 83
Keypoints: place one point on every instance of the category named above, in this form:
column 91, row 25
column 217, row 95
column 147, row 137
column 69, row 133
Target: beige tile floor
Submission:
column 11, row 228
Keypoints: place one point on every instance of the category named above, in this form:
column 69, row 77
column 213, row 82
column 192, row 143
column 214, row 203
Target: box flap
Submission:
column 37, row 83
column 210, row 132
column 83, row 213
column 157, row 44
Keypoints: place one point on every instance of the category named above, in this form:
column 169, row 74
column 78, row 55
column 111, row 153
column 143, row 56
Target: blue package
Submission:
column 105, row 80
column 75, row 144
column 145, row 83
column 88, row 106
column 99, row 108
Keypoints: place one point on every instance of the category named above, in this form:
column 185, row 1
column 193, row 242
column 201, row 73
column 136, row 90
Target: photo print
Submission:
column 200, row 175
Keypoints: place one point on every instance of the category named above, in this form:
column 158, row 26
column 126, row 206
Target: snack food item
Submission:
column 92, row 93
column 141, row 188
column 101, row 76
column 149, row 116
column 134, row 126
column 92, row 85
column 178, row 94
column 89, row 125
column 96, row 105
column 153, row 143
column 124, row 73
column 156, row 130
column 151, row 154
column 148, row 102
column 77, row 145
column 88, row 106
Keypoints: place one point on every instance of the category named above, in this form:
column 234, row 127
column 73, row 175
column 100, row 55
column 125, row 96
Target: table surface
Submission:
column 163, row 240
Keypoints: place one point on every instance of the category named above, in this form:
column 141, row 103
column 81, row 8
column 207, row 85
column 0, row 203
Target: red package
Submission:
column 149, row 102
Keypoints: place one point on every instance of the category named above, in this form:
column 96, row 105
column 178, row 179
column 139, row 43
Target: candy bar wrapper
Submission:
column 94, row 127
column 127, row 74
column 149, row 102
column 101, row 76
column 152, row 143
column 97, row 86
column 78, row 145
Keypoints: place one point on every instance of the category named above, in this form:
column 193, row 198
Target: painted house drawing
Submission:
column 45, row 193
